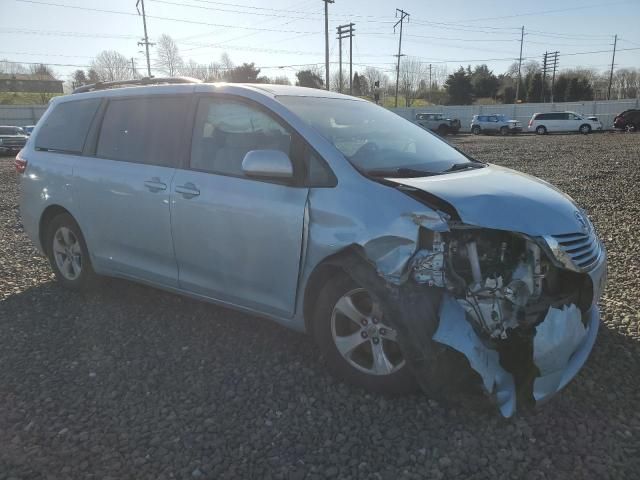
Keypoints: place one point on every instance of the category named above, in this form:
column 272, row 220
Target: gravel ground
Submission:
column 131, row 382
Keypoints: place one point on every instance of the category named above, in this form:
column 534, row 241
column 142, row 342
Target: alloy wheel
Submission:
column 67, row 253
column 362, row 338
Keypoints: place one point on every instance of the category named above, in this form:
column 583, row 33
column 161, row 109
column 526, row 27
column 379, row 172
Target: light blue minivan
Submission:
column 410, row 263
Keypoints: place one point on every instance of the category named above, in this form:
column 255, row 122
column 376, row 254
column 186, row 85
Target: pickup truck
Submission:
column 12, row 139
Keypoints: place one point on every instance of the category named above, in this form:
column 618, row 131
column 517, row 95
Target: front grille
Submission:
column 583, row 249
column 13, row 142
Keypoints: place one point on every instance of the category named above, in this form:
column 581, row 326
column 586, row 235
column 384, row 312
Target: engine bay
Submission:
column 504, row 281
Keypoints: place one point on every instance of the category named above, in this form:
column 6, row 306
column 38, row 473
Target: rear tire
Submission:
column 443, row 130
column 68, row 254
column 585, row 129
column 376, row 362
column 541, row 130
column 476, row 130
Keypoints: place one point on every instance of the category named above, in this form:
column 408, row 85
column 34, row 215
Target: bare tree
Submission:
column 338, row 86
column 168, row 58
column 12, row 68
column 374, row 75
column 193, row 69
column 226, row 64
column 47, row 89
column 281, row 80
column 111, row 66
column 412, row 71
column 626, row 83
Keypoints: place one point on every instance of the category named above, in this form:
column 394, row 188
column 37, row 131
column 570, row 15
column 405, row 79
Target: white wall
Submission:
column 603, row 109
column 20, row 115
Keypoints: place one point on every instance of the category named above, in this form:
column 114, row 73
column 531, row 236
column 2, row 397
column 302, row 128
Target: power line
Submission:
column 156, row 17
column 545, row 12
column 14, row 31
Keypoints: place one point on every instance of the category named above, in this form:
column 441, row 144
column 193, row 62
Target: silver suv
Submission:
column 327, row 214
column 494, row 124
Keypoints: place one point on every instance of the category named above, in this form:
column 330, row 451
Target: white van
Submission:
column 542, row 123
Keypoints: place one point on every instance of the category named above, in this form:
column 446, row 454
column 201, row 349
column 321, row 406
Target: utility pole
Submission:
column 519, row 65
column 613, row 59
column 555, row 66
column 346, row 31
column 326, row 41
column 145, row 40
column 403, row 15
column 544, row 76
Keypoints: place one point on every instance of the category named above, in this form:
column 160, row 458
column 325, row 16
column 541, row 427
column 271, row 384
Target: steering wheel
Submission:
column 368, row 147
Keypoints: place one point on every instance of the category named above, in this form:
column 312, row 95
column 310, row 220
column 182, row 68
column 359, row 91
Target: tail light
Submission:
column 531, row 122
column 21, row 164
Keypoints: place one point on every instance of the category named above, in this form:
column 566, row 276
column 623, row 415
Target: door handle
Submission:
column 155, row 185
column 188, row 190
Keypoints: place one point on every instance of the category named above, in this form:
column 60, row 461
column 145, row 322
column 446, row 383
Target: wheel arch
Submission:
column 322, row 273
column 49, row 214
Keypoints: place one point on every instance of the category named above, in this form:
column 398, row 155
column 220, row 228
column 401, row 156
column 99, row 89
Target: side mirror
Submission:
column 273, row 164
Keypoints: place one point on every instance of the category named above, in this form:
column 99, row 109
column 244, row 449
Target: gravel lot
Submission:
column 131, row 382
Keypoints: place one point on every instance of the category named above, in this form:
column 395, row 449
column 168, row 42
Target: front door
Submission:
column 124, row 190
column 237, row 239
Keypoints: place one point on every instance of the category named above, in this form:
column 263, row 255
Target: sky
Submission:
column 283, row 36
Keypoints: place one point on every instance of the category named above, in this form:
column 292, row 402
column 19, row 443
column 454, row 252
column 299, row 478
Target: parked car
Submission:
column 543, row 123
column 437, row 122
column 494, row 124
column 12, row 139
column 325, row 213
column 28, row 129
column 628, row 120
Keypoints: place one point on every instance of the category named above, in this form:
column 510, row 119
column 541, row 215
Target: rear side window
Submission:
column 143, row 130
column 65, row 128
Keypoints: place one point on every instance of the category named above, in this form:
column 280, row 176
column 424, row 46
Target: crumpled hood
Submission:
column 503, row 199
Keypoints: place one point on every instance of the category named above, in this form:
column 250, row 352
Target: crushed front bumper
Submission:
column 561, row 346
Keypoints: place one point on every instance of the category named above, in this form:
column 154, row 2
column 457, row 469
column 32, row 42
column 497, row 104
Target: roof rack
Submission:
column 141, row 81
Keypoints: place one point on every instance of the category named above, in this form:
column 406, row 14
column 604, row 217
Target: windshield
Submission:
column 373, row 138
column 11, row 131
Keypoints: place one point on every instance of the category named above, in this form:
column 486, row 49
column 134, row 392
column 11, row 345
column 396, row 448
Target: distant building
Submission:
column 29, row 83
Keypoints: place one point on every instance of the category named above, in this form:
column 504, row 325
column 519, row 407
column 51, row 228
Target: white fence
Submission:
column 605, row 110
column 20, row 115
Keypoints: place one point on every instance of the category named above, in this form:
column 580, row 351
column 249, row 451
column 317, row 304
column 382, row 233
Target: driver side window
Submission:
column 226, row 129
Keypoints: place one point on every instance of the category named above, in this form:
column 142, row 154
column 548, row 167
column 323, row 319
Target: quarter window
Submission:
column 65, row 128
column 143, row 130
column 226, row 130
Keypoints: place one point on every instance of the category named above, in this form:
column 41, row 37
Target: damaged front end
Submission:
column 524, row 322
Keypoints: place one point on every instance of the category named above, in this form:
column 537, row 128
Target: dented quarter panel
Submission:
column 503, row 199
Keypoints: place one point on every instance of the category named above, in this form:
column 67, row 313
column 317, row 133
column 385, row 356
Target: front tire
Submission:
column 585, row 129
column 68, row 254
column 476, row 130
column 358, row 346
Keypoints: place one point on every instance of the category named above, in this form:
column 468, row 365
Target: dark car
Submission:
column 12, row 139
column 628, row 120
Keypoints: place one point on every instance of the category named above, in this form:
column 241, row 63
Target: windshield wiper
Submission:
column 463, row 166
column 400, row 172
